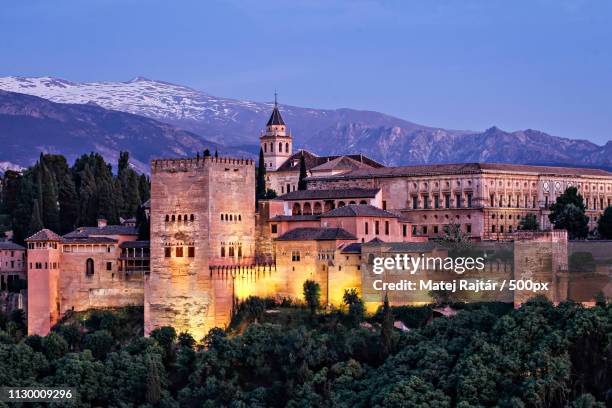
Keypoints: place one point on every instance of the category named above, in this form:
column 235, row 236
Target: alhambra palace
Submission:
column 212, row 245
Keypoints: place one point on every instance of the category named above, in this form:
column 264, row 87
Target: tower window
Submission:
column 280, row 147
column 222, row 252
column 286, row 147
column 190, row 252
column 167, row 252
column 265, row 146
column 179, row 251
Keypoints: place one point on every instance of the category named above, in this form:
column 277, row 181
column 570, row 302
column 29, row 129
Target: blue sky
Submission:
column 458, row 64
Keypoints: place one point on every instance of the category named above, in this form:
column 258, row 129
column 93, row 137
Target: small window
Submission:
column 191, row 252
column 179, row 217
column 386, row 227
column 173, row 218
column 231, row 252
column 167, row 252
column 179, row 251
column 222, row 252
column 89, row 267
column 191, row 217
column 376, row 227
column 404, row 230
column 366, row 228
column 295, row 256
column 167, row 218
column 109, row 266
column 274, row 228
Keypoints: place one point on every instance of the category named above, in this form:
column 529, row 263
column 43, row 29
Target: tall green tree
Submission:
column 260, row 189
column 312, row 295
column 568, row 212
column 50, row 208
column 68, row 204
column 386, row 328
column 36, row 223
column 143, row 224
column 23, row 209
column 88, row 197
column 153, row 382
column 303, row 173
column 144, row 188
column 604, row 224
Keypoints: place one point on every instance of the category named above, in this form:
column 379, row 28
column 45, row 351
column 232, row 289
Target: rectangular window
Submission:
column 366, row 228
column 436, row 201
column 447, row 200
column 424, row 229
column 384, row 204
column 501, row 229
column 469, row 200
column 109, row 266
column 492, row 228
column 468, row 228
column 167, row 252
column 191, row 252
column 492, row 200
column 274, row 228
column 534, row 202
column 458, row 200
column 295, row 256
column 179, row 251
column 546, row 202
column 435, row 229
column 415, row 202
column 426, row 201
column 376, row 227
column 386, row 227
column 404, row 230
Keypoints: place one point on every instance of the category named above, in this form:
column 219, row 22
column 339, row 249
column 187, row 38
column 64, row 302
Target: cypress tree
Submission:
column 260, row 190
column 68, row 203
column 50, row 209
column 142, row 223
column 23, row 207
column 131, row 194
column 144, row 188
column 35, row 221
column 87, row 194
column 386, row 329
column 153, row 384
column 216, row 154
column 303, row 173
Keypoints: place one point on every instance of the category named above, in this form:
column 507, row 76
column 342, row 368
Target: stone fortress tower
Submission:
column 276, row 142
column 202, row 216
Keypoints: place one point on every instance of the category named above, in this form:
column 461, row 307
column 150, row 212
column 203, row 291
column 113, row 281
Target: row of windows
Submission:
column 280, row 147
column 39, row 265
column 435, row 229
column 179, row 218
column 12, row 263
column 39, row 245
column 232, row 251
column 458, row 202
column 231, row 217
column 179, row 252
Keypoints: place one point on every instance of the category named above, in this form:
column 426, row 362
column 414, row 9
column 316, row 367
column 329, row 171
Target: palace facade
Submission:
column 212, row 245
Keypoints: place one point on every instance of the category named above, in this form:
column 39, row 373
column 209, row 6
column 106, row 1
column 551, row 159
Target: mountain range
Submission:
column 154, row 118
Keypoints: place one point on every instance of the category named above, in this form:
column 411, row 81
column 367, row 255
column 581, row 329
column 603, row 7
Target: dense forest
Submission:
column 487, row 355
column 50, row 194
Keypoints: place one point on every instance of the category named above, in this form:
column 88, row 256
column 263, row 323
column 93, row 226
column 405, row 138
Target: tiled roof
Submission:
column 44, row 235
column 295, row 218
column 316, row 234
column 340, row 163
column 10, row 246
column 334, row 193
column 354, row 248
column 135, row 244
column 467, row 168
column 359, row 210
column 84, row 232
column 312, row 160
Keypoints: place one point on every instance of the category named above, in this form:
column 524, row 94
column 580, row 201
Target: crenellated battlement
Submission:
column 187, row 164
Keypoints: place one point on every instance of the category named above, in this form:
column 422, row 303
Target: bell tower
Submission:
column 276, row 142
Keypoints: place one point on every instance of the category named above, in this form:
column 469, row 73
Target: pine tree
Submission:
column 35, row 221
column 303, row 173
column 260, row 191
column 68, row 204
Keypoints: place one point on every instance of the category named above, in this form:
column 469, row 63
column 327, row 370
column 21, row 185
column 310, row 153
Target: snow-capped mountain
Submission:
column 237, row 124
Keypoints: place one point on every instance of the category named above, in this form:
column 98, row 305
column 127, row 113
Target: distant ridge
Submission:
column 237, row 123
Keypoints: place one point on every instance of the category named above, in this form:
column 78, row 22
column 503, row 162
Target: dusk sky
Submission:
column 541, row 64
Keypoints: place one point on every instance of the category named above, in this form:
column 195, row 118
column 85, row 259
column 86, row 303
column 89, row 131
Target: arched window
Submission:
column 341, row 204
column 287, row 147
column 363, row 202
column 231, row 251
column 317, row 208
column 307, row 209
column 173, row 218
column 271, row 147
column 297, row 209
column 239, row 217
column 179, row 217
column 265, row 146
column 89, row 267
column 240, row 251
column 222, row 252
column 231, row 217
column 221, row 217
column 280, row 147
column 185, row 217
column 167, row 218
column 191, row 218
